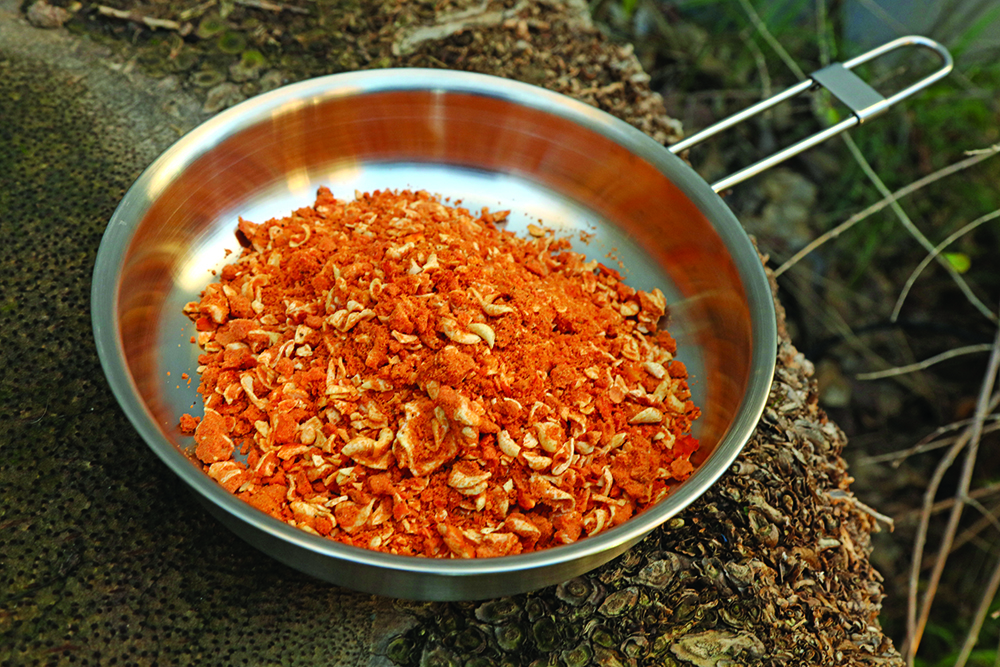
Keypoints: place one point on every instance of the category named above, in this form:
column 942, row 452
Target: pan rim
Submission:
column 119, row 234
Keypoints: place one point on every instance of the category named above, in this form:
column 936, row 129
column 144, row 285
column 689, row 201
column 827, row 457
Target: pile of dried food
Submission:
column 400, row 375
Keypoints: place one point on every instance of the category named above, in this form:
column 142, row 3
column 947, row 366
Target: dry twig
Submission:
column 823, row 34
column 928, row 443
column 988, row 515
column 942, row 505
column 914, row 231
column 885, row 16
column 912, row 632
column 271, row 6
column 838, row 494
column 761, row 62
column 758, row 23
column 195, row 12
column 148, row 21
column 926, row 363
column 967, row 535
column 974, row 158
column 934, row 254
column 970, row 442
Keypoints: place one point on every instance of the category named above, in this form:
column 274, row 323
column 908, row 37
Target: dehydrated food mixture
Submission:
column 404, row 376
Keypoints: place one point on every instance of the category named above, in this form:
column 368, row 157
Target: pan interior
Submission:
column 495, row 144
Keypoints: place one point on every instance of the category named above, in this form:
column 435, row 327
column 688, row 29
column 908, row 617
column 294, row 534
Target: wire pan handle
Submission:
column 864, row 102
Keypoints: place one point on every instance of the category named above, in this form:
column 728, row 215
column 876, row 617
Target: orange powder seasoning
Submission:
column 401, row 375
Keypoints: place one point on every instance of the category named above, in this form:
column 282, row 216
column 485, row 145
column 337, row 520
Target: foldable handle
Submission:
column 864, row 102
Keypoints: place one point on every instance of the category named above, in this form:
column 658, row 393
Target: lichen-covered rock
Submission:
column 222, row 96
column 713, row 648
column 43, row 15
column 106, row 558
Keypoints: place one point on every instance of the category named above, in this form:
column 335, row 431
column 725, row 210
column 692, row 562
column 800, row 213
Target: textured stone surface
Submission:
column 106, row 559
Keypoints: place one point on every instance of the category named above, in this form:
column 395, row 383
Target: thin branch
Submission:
column 886, row 17
column 966, row 536
column 914, row 231
column 926, row 363
column 990, row 150
column 988, row 515
column 925, row 445
column 271, row 6
column 971, row 533
column 974, row 158
column 915, row 626
column 942, row 505
column 933, row 255
column 758, row 23
column 909, row 648
column 838, row 494
column 195, row 12
column 994, row 402
column 977, row 624
column 826, row 45
column 900, row 29
column 761, row 62
column 149, row 21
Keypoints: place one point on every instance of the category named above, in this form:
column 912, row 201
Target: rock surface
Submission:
column 106, row 559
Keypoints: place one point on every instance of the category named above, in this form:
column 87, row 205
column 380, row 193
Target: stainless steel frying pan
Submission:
column 489, row 142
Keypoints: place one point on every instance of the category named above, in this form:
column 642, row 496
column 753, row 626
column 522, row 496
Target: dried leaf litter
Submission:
column 403, row 376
